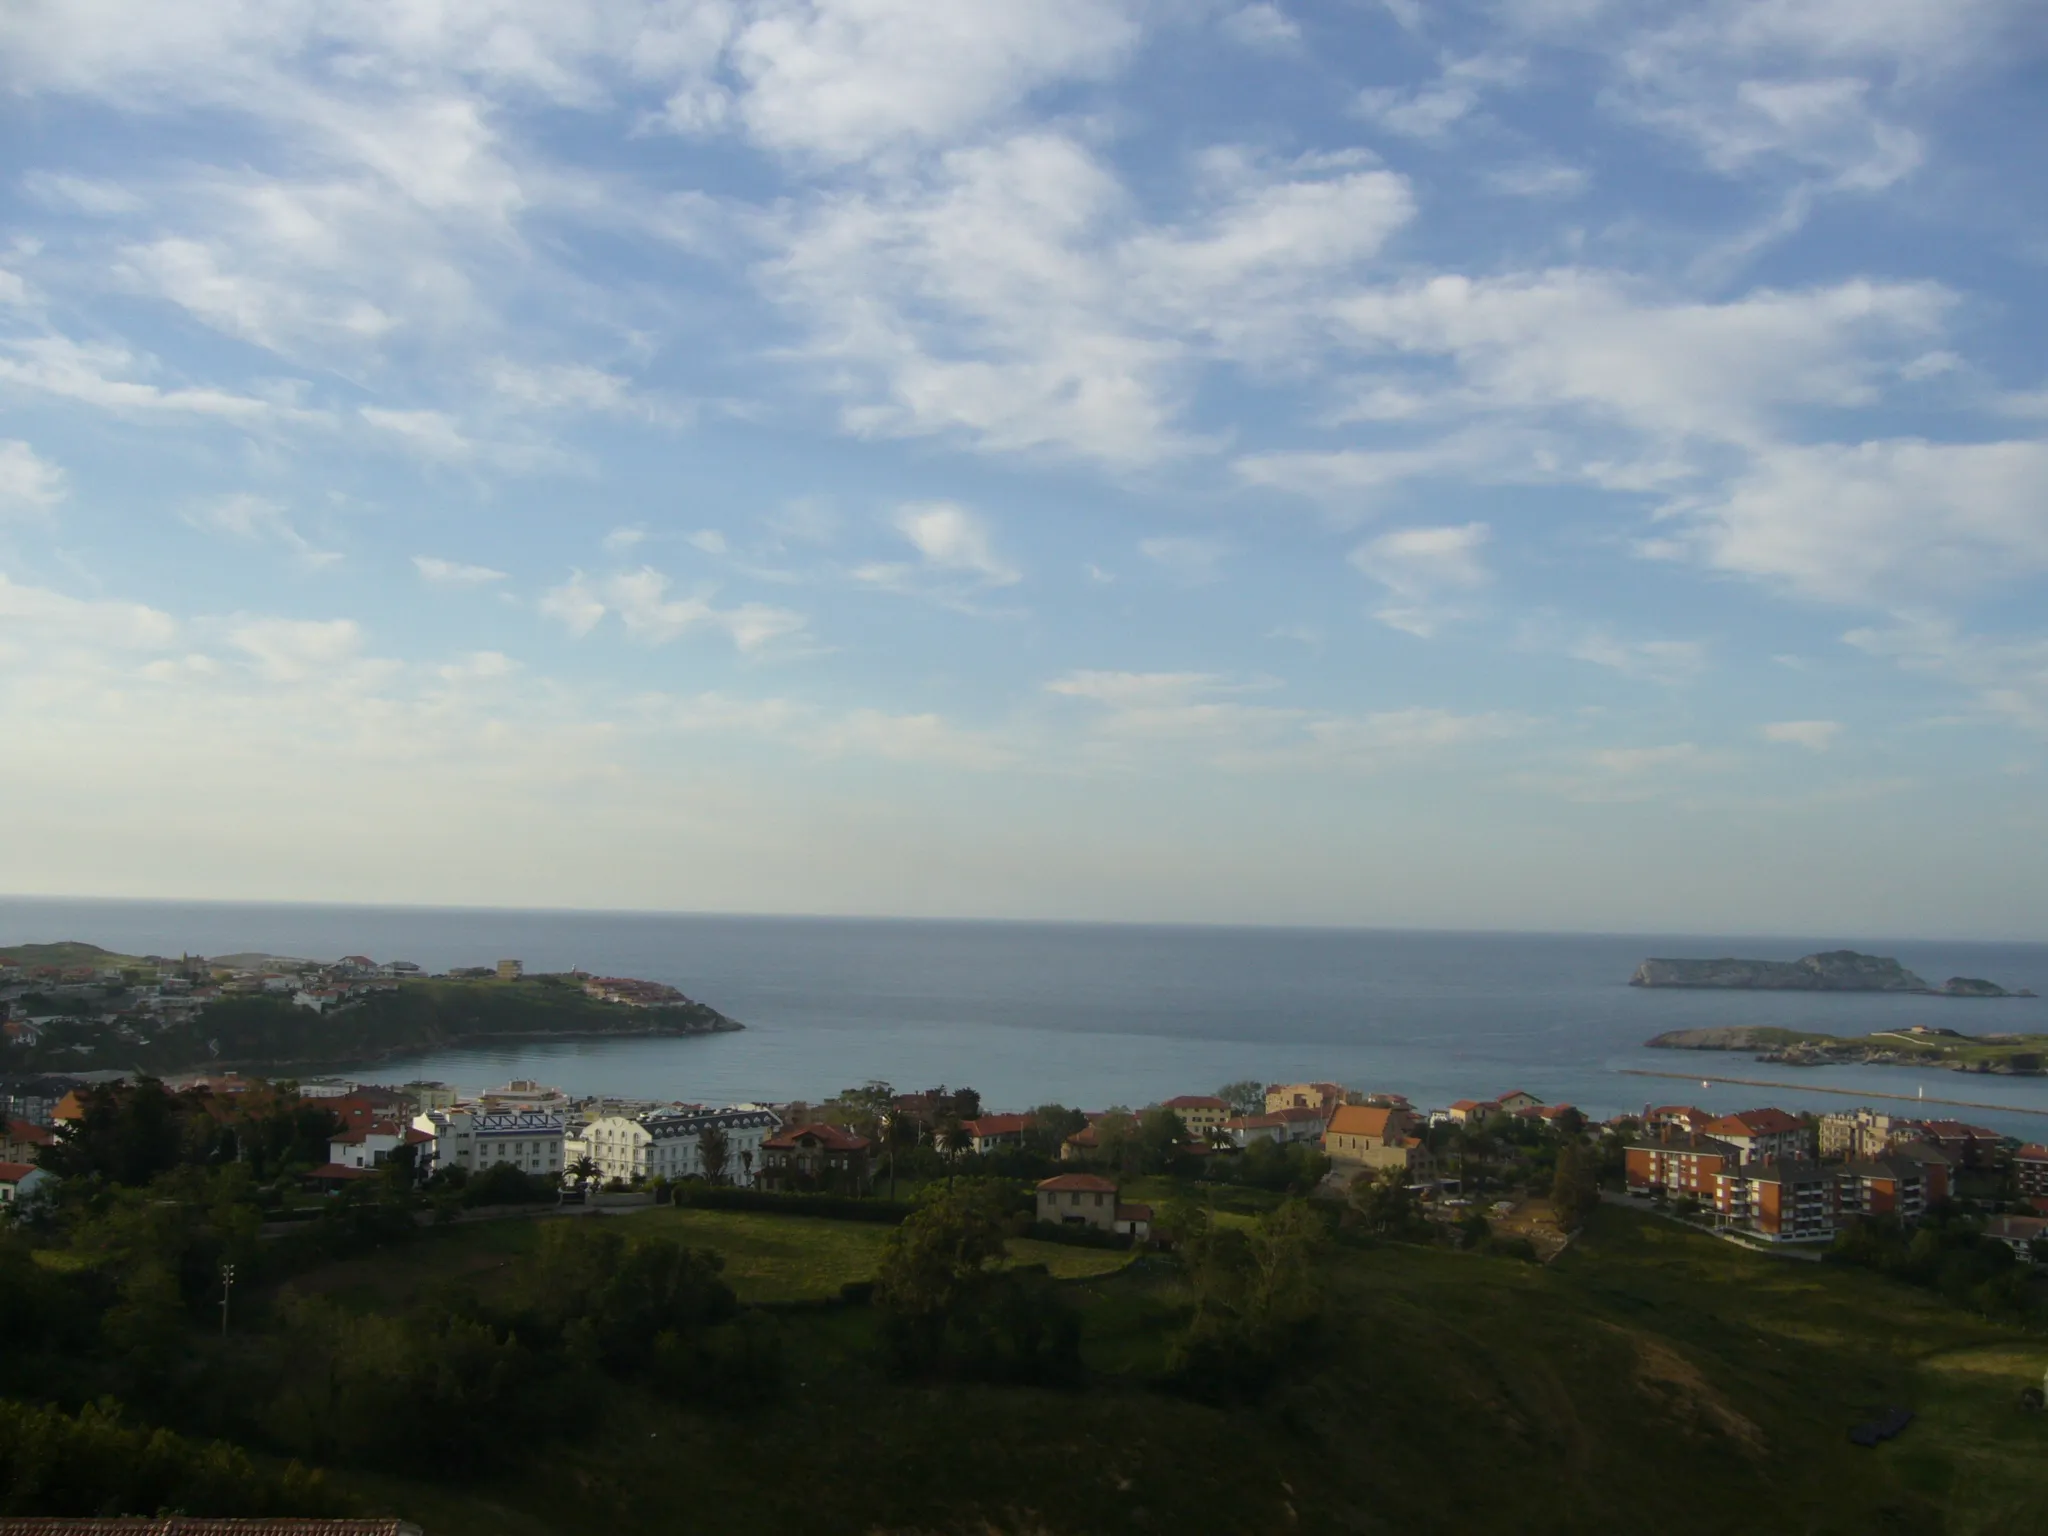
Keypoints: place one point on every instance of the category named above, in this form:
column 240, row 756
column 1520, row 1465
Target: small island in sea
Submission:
column 1835, row 970
column 1916, row 1045
column 76, row 1007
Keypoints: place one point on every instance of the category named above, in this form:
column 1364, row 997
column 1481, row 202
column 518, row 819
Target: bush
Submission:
column 54, row 1464
column 1076, row 1236
column 503, row 1184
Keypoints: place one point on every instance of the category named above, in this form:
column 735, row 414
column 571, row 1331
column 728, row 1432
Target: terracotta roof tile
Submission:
column 1078, row 1182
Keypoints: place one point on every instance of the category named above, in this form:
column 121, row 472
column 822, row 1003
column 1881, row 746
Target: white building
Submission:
column 475, row 1139
column 667, row 1145
column 369, row 1146
column 20, row 1181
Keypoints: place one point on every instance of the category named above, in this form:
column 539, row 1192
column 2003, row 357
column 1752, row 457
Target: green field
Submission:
column 768, row 1258
column 1652, row 1378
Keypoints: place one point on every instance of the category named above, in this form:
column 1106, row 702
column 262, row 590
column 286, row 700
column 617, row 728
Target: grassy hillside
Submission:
column 1651, row 1379
column 68, row 953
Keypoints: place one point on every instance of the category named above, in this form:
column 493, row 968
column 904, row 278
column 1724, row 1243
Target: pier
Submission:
column 1847, row 1093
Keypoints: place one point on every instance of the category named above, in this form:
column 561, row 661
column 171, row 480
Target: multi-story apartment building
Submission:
column 1855, row 1133
column 1679, row 1164
column 529, row 1140
column 2030, row 1165
column 1200, row 1113
column 1763, row 1135
column 1968, row 1146
column 669, row 1144
column 1785, row 1201
column 1892, row 1185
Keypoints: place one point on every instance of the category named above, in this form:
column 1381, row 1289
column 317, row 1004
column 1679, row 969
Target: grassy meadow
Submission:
column 1651, row 1378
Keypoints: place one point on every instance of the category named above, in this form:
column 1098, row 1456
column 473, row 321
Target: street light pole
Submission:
column 227, row 1286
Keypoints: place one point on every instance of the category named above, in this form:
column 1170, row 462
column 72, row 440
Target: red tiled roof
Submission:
column 2033, row 1152
column 1300, row 1112
column 14, row 1173
column 1752, row 1122
column 1958, row 1128
column 1468, row 1105
column 1078, row 1181
column 337, row 1173
column 43, row 1136
column 1134, row 1213
column 1085, row 1137
column 1256, row 1122
column 1360, row 1120
column 1194, row 1101
column 832, row 1137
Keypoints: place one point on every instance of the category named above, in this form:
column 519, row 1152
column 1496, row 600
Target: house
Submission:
column 20, row 1181
column 1549, row 1114
column 2019, row 1233
column 1086, row 1200
column 669, row 1144
column 1854, row 1133
column 477, row 1139
column 1969, row 1146
column 1322, row 1096
column 1472, row 1111
column 1787, row 1200
column 1679, row 1164
column 815, row 1156
column 1363, row 1136
column 1200, row 1113
column 1082, row 1145
column 993, row 1131
column 22, row 1140
column 70, row 1109
column 2030, row 1167
column 1674, row 1117
column 1300, row 1123
column 1763, row 1135
column 371, row 1145
column 1515, row 1100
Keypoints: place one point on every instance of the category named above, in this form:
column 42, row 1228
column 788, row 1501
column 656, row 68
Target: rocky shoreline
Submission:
column 1939, row 1049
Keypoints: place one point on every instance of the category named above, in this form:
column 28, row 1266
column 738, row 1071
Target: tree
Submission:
column 932, row 1262
column 1382, row 1200
column 1257, row 1294
column 1244, row 1098
column 1161, row 1134
column 714, row 1151
column 1051, row 1125
column 584, row 1170
column 1574, row 1191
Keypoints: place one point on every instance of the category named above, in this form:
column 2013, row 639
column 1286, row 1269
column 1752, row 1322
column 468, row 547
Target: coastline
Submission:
column 273, row 1066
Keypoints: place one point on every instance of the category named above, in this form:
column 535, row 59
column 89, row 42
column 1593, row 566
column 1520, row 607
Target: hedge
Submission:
column 833, row 1207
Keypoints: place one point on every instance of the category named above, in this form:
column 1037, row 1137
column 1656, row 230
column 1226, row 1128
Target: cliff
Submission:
column 1837, row 970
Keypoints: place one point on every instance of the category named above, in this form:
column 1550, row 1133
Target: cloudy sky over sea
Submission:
column 1542, row 463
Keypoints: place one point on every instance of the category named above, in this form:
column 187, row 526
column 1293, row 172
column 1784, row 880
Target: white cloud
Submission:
column 709, row 540
column 841, row 80
column 1425, row 572
column 642, row 603
column 1653, row 661
column 259, row 520
column 99, row 199
column 29, row 483
column 953, row 541
column 1429, row 112
column 1539, row 178
column 451, row 573
column 1192, row 562
column 430, row 434
column 34, row 619
column 1630, row 761
column 1261, row 26
column 92, row 375
column 1889, row 521
column 289, row 650
column 1814, row 735
column 619, row 540
column 2005, row 676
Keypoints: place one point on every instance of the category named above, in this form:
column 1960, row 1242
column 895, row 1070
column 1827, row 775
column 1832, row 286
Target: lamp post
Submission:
column 227, row 1286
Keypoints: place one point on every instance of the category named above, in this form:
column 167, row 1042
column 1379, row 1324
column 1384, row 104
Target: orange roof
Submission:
column 43, row 1136
column 1752, row 1122
column 1362, row 1120
column 833, row 1138
column 2033, row 1152
column 1078, row 1181
column 1194, row 1101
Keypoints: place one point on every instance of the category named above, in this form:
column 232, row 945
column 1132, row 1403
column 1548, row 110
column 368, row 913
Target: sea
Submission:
column 1094, row 1015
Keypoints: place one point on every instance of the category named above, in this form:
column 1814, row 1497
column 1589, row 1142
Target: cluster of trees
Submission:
column 131, row 1133
column 1258, row 1297
column 1947, row 1253
column 948, row 1309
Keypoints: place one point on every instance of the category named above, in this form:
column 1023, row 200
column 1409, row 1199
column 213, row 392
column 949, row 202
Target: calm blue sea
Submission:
column 1093, row 1015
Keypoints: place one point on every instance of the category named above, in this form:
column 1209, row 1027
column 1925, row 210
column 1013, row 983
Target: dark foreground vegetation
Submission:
column 1290, row 1363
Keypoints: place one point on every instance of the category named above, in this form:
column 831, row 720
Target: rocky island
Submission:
column 1917, row 1045
column 1835, row 970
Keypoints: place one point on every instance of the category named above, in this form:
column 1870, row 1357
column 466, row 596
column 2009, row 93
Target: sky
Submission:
column 1540, row 464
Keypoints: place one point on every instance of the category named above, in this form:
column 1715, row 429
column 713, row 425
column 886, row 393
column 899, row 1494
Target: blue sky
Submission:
column 1550, row 464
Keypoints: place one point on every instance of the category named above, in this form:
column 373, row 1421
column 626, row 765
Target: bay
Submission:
column 1093, row 1015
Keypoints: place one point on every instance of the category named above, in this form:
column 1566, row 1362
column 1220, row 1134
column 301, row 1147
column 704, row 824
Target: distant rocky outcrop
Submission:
column 1836, row 970
column 1971, row 986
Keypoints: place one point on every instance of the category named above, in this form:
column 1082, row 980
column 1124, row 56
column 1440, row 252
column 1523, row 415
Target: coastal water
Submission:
column 1094, row 1015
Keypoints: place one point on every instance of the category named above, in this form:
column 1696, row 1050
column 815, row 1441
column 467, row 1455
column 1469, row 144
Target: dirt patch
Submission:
column 1677, row 1385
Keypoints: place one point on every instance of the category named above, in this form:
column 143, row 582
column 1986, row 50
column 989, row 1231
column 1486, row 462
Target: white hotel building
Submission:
column 475, row 1139
column 664, row 1145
